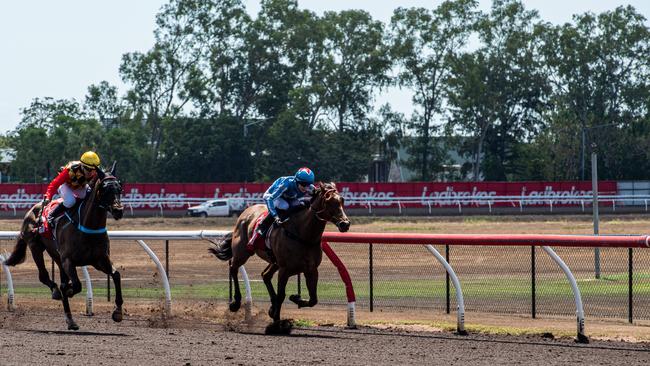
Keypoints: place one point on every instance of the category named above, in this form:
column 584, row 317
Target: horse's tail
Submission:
column 18, row 254
column 222, row 250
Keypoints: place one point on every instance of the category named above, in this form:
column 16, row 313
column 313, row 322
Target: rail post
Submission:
column 630, row 283
column 447, row 292
column 370, row 275
column 11, row 306
column 533, row 305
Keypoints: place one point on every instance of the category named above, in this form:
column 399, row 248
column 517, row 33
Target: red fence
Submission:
column 145, row 195
column 613, row 241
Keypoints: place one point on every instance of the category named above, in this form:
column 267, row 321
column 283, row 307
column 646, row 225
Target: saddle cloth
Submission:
column 45, row 230
column 262, row 242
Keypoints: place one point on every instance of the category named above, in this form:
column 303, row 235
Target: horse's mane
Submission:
column 326, row 190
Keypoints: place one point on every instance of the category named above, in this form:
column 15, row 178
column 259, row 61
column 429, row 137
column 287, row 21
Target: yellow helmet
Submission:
column 90, row 159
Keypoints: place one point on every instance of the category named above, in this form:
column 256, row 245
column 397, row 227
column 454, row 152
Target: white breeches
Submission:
column 70, row 195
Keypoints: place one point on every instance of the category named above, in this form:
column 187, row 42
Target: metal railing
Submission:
column 400, row 203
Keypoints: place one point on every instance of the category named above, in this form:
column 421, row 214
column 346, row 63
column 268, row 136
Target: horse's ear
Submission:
column 113, row 168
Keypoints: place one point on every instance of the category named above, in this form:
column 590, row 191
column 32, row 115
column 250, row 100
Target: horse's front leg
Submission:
column 279, row 326
column 72, row 325
column 71, row 272
column 105, row 265
column 283, row 278
column 267, row 276
column 311, row 279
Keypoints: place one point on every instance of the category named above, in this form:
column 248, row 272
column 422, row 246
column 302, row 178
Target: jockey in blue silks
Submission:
column 283, row 194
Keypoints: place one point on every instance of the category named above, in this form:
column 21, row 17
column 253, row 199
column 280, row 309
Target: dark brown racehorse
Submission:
column 296, row 247
column 80, row 240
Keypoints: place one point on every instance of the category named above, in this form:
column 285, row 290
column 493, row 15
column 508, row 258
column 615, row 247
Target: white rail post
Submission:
column 460, row 326
column 163, row 277
column 580, row 313
column 89, row 291
column 11, row 306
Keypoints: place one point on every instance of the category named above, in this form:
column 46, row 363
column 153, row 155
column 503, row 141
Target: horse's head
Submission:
column 109, row 194
column 327, row 203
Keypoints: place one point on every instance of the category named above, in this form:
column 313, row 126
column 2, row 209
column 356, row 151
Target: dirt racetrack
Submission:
column 203, row 332
column 34, row 336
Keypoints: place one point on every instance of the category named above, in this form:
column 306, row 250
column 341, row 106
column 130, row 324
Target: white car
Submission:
column 218, row 207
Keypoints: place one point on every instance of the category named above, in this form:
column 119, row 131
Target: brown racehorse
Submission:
column 81, row 240
column 296, row 247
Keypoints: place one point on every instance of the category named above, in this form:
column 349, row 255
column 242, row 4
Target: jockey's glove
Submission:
column 45, row 202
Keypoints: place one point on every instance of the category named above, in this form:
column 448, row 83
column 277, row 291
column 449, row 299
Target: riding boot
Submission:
column 261, row 230
column 59, row 209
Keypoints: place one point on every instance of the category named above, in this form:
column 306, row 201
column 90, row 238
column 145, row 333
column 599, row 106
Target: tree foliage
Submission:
column 223, row 95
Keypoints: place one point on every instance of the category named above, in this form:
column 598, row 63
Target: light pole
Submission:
column 594, row 185
column 246, row 125
column 594, row 194
column 583, row 143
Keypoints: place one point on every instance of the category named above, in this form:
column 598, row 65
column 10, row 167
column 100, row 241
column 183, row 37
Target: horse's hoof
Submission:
column 295, row 298
column 72, row 325
column 117, row 316
column 279, row 327
column 56, row 294
column 234, row 306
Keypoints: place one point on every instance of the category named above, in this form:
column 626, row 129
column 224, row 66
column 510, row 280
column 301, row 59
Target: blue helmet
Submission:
column 305, row 175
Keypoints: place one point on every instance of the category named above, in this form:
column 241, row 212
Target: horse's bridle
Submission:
column 317, row 213
column 109, row 179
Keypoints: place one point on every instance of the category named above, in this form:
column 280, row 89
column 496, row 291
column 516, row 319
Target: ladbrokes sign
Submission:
column 174, row 195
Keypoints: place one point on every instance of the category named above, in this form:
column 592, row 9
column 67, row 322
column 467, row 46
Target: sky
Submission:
column 58, row 48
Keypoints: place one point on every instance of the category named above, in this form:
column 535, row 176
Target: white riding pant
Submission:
column 70, row 195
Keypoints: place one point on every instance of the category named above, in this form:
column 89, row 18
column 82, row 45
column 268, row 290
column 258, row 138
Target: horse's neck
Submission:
column 312, row 228
column 92, row 215
column 94, row 218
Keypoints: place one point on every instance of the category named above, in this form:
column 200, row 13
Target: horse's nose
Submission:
column 344, row 226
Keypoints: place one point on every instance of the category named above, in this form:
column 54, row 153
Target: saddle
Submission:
column 45, row 230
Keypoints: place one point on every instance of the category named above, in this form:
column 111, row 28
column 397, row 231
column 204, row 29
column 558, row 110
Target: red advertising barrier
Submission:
column 418, row 194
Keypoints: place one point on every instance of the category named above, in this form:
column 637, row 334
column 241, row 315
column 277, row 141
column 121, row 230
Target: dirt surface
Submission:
column 204, row 332
column 36, row 336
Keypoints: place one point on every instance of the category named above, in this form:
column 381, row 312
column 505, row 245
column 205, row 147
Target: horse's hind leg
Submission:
column 311, row 279
column 43, row 275
column 267, row 276
column 105, row 265
column 235, row 304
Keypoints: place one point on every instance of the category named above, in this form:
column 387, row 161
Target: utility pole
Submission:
column 594, row 189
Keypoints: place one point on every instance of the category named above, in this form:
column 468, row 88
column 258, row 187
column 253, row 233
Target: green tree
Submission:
column 422, row 42
column 497, row 93
column 599, row 70
column 356, row 65
column 103, row 103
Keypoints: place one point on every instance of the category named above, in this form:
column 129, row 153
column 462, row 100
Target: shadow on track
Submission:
column 472, row 339
column 77, row 333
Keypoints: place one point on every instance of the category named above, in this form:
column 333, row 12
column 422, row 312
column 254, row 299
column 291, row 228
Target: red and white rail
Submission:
column 545, row 241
